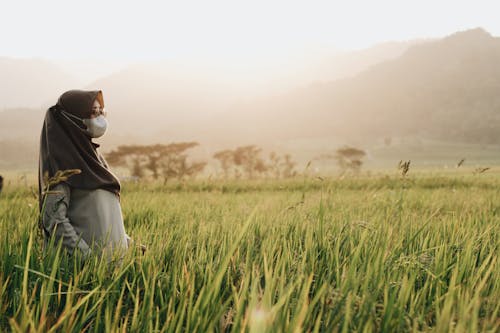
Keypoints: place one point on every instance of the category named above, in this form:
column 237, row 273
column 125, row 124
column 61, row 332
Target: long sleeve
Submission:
column 55, row 219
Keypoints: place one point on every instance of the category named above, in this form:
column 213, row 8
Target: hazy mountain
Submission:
column 446, row 89
column 31, row 82
column 177, row 100
column 87, row 71
column 165, row 94
column 347, row 64
column 35, row 82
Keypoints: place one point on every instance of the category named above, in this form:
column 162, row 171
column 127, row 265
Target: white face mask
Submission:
column 96, row 127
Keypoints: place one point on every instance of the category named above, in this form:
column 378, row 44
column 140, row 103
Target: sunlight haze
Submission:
column 293, row 76
column 228, row 31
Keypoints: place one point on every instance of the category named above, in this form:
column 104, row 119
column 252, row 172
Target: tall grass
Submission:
column 366, row 254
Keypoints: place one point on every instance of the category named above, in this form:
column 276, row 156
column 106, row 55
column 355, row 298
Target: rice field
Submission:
column 358, row 254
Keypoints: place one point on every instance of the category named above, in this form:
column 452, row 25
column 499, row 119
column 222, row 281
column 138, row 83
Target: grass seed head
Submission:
column 59, row 176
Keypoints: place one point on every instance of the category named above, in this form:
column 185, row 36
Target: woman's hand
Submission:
column 143, row 248
column 131, row 242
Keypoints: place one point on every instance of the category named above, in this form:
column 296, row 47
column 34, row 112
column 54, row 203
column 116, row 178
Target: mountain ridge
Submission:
column 445, row 89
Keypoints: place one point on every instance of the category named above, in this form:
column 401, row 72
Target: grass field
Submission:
column 365, row 254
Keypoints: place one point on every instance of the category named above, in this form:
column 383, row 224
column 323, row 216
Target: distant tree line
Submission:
column 165, row 161
column 348, row 159
column 247, row 161
column 171, row 161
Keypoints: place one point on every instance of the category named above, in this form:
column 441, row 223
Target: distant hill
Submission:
column 168, row 94
column 350, row 63
column 31, row 83
column 36, row 82
column 447, row 89
column 174, row 95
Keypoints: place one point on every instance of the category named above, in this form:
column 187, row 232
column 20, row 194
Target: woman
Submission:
column 83, row 211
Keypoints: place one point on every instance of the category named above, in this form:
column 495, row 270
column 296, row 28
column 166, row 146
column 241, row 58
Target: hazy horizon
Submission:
column 265, row 43
column 300, row 76
column 86, row 71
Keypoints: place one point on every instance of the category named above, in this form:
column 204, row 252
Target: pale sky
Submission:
column 125, row 30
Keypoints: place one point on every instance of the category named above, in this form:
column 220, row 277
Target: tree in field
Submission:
column 288, row 166
column 174, row 163
column 243, row 160
column 281, row 166
column 226, row 160
column 137, row 169
column 349, row 158
column 168, row 161
column 133, row 156
column 249, row 160
column 274, row 164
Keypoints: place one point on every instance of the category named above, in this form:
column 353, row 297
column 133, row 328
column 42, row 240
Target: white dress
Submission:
column 84, row 219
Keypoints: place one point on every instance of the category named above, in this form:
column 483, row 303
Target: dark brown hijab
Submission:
column 64, row 144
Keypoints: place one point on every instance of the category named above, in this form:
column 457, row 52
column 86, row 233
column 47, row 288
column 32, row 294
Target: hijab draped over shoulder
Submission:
column 65, row 144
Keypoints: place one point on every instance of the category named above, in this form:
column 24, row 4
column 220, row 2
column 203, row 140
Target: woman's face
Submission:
column 97, row 110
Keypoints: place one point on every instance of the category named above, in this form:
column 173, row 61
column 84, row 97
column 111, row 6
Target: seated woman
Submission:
column 83, row 210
